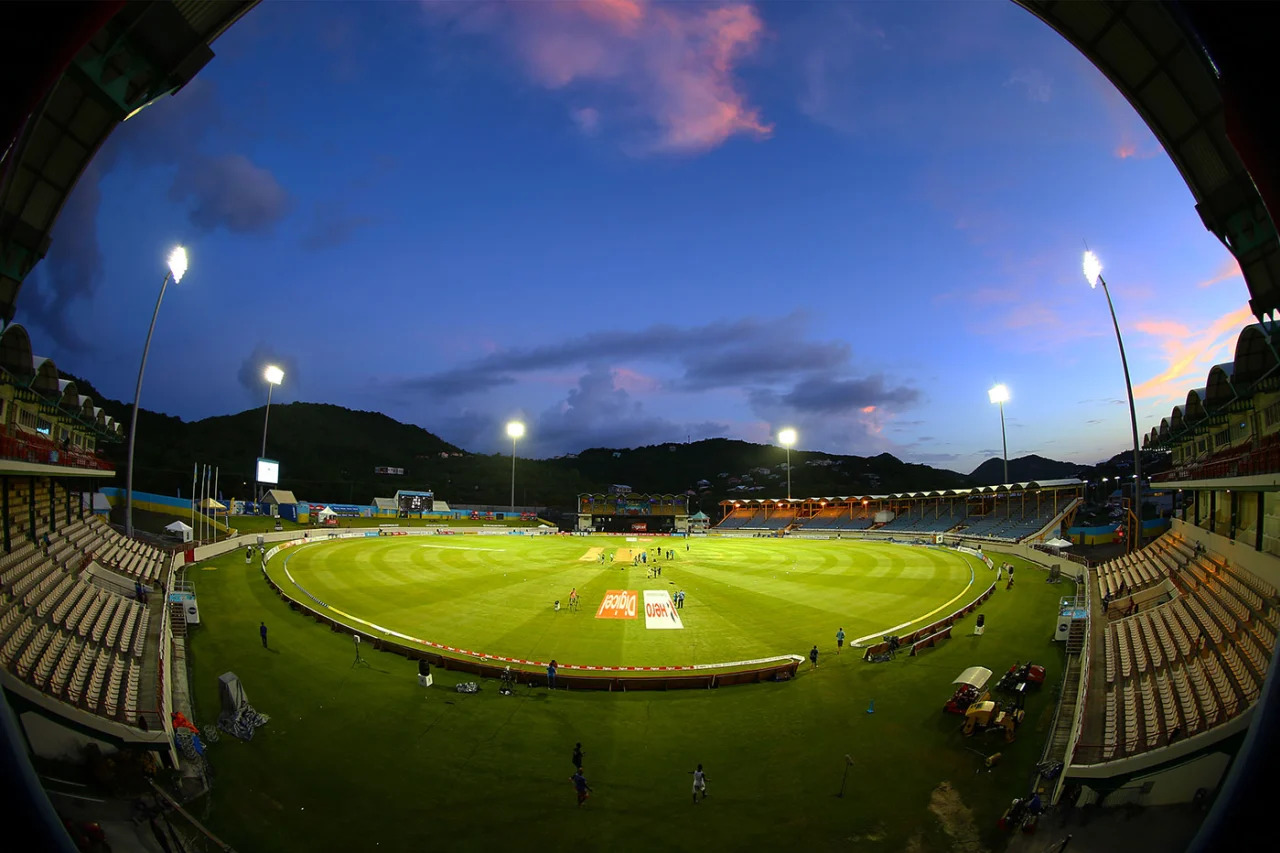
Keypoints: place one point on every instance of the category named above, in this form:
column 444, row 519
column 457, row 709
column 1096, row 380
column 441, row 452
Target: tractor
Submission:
column 972, row 688
column 987, row 716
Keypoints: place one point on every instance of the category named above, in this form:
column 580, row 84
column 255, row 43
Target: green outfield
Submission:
column 745, row 598
column 363, row 758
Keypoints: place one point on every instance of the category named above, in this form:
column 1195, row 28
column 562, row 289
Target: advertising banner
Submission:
column 618, row 604
column 660, row 611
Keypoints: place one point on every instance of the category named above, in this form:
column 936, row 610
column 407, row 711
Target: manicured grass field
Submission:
column 358, row 758
column 745, row 598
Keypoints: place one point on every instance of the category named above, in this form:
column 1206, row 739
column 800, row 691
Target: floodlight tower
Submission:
column 515, row 429
column 177, row 263
column 1093, row 274
column 788, row 437
column 1000, row 395
column 274, row 377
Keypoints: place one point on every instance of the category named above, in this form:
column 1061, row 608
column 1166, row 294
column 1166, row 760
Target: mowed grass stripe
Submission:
column 746, row 598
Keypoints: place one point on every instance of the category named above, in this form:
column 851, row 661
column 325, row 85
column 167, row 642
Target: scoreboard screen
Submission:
column 415, row 503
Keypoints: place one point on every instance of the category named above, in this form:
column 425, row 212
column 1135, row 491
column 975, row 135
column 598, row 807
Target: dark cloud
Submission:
column 825, row 395
column 166, row 133
column 331, row 227
column 747, row 352
column 230, row 192
column 72, row 272
column 250, row 374
column 597, row 413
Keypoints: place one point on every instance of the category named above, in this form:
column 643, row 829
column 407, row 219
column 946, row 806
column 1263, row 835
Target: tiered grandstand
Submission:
column 1008, row 513
column 78, row 642
column 1186, row 642
column 71, row 634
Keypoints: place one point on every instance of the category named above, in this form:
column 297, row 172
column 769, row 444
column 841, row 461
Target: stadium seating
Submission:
column 1187, row 664
column 59, row 632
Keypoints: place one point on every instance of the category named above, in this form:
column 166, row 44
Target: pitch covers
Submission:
column 660, row 611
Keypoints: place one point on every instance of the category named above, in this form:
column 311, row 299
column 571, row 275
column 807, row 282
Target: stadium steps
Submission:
column 1075, row 638
column 1066, row 710
column 177, row 620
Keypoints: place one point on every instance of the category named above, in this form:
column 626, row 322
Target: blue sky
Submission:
column 629, row 223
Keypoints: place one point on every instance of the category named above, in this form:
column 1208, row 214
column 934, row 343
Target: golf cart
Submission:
column 973, row 684
column 1019, row 677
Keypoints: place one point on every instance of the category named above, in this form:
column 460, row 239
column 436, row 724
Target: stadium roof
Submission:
column 1159, row 56
column 1255, row 369
column 113, row 60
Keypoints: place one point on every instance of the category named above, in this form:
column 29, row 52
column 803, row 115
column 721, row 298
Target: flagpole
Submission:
column 215, row 497
column 195, row 468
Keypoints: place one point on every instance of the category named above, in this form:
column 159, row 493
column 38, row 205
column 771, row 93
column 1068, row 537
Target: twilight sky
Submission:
column 629, row 222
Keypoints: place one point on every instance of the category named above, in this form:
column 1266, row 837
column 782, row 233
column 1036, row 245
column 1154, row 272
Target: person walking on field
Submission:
column 577, row 757
column 580, row 784
column 699, row 784
column 813, row 657
column 839, row 640
column 551, row 673
column 262, row 631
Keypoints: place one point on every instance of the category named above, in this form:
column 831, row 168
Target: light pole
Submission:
column 177, row 267
column 515, row 429
column 1093, row 274
column 1000, row 394
column 788, row 438
column 274, row 377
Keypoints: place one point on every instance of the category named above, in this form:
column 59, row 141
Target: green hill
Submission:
column 328, row 453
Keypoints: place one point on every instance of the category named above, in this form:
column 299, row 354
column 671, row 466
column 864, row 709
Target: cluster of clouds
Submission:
column 774, row 369
column 661, row 75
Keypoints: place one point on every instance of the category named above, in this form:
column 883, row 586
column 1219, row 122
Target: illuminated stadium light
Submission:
column 1092, row 269
column 177, row 269
column 515, row 429
column 273, row 376
column 178, row 263
column 1093, row 275
column 999, row 394
column 788, row 437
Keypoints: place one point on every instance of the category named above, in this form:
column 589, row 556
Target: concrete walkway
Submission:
column 1093, row 829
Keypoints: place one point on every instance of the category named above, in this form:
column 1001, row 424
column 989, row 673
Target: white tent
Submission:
column 1058, row 543
column 182, row 530
column 327, row 512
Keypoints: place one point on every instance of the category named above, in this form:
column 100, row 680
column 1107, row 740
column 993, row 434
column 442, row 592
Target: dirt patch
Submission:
column 956, row 818
column 592, row 555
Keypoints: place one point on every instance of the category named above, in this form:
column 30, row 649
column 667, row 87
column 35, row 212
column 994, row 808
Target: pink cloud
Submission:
column 666, row 70
column 1189, row 353
column 866, row 410
column 634, row 381
column 1229, row 269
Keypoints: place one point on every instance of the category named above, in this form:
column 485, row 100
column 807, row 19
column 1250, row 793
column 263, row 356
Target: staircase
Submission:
column 1066, row 711
column 1075, row 636
column 177, row 619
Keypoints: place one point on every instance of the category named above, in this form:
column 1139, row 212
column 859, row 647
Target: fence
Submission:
column 930, row 634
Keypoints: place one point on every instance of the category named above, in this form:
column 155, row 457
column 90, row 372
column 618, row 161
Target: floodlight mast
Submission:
column 788, row 437
column 515, row 429
column 1093, row 274
column 177, row 263
column 1000, row 394
column 274, row 376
